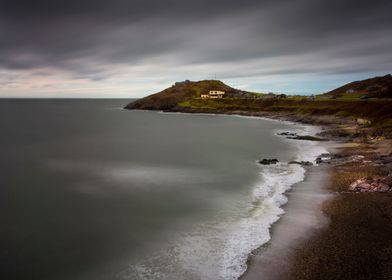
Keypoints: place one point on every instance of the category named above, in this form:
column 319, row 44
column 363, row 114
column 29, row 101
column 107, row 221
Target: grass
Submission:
column 378, row 111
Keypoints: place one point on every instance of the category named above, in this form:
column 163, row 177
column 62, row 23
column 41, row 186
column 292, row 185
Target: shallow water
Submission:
column 90, row 191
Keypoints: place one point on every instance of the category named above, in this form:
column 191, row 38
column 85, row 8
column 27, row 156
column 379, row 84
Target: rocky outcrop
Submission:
column 268, row 161
column 303, row 163
column 369, row 184
column 286, row 133
column 307, row 137
column 295, row 136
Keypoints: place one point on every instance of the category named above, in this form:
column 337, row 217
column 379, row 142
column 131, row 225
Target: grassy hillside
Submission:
column 377, row 87
column 376, row 113
column 185, row 91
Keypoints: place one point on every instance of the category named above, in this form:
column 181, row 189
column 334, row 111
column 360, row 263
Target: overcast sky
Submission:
column 130, row 48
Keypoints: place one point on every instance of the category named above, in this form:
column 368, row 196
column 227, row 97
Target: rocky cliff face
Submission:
column 169, row 98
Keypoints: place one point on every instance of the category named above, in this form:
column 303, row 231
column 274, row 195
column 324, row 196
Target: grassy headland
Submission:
column 343, row 105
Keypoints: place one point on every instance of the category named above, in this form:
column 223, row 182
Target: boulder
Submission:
column 369, row 184
column 286, row 133
column 325, row 155
column 306, row 137
column 387, row 180
column 268, row 161
column 294, row 162
column 305, row 163
column 386, row 159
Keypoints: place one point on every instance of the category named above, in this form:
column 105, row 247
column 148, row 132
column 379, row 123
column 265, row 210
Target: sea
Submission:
column 91, row 191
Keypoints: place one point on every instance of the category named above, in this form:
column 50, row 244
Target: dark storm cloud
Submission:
column 84, row 36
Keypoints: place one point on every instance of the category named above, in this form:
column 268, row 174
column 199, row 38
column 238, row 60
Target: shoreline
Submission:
column 356, row 243
column 302, row 218
column 303, row 200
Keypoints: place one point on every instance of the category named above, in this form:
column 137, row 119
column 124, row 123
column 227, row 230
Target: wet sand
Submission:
column 357, row 243
column 303, row 217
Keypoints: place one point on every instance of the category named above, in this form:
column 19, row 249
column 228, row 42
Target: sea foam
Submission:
column 220, row 249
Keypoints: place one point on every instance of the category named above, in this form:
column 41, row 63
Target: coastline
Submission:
column 304, row 200
column 302, row 218
column 352, row 236
column 302, row 215
column 356, row 242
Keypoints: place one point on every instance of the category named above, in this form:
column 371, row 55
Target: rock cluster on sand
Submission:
column 369, row 184
column 324, row 158
column 295, row 136
column 268, row 161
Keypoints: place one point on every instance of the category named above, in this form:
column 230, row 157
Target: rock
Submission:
column 305, row 163
column 319, row 160
column 307, row 137
column 286, row 133
column 268, row 161
column 326, row 155
column 371, row 185
column 294, row 162
column 387, row 180
column 386, row 159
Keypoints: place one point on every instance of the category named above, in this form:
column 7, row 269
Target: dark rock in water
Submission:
column 324, row 158
column 307, row 137
column 286, row 133
column 369, row 184
column 304, row 163
column 326, row 155
column 268, row 161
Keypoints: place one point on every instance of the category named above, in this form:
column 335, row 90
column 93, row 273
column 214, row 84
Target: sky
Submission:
column 132, row 48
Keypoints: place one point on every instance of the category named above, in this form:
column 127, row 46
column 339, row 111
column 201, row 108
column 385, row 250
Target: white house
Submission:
column 213, row 94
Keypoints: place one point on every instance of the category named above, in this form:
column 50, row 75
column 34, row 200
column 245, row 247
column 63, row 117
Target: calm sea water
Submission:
column 91, row 191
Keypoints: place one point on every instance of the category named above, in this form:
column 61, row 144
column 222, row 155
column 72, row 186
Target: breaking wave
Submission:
column 219, row 249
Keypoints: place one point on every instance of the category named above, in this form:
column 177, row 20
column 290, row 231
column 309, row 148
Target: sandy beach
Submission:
column 303, row 216
column 329, row 231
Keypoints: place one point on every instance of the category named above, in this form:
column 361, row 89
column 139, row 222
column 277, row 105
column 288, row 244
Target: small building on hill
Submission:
column 213, row 94
column 311, row 97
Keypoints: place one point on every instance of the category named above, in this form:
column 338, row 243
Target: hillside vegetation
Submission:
column 377, row 87
column 376, row 112
column 185, row 91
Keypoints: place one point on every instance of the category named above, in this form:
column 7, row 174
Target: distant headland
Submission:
column 367, row 102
